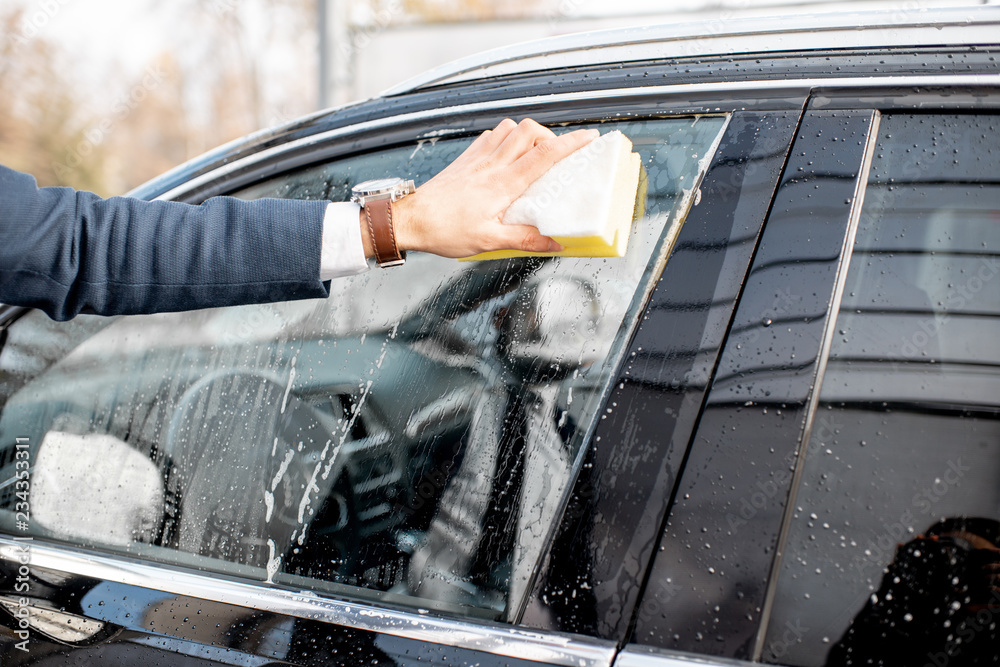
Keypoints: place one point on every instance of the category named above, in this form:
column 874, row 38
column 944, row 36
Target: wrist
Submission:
column 380, row 231
column 402, row 220
column 366, row 239
column 404, row 217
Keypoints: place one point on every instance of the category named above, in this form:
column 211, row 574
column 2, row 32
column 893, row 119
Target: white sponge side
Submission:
column 572, row 201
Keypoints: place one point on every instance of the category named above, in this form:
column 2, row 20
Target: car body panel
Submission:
column 723, row 36
column 139, row 597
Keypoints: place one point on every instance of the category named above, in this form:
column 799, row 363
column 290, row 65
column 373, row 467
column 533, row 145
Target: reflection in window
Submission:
column 413, row 435
column 893, row 554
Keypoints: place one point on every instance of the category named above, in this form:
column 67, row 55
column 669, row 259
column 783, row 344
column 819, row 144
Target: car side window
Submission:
column 409, row 440
column 893, row 551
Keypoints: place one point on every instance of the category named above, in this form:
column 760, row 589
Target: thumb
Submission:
column 526, row 238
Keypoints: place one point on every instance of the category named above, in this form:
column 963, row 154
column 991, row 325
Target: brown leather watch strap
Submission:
column 378, row 214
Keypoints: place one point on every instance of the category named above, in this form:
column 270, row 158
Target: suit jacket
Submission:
column 69, row 252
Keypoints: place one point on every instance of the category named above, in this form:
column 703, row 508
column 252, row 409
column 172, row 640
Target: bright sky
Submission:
column 103, row 30
column 109, row 43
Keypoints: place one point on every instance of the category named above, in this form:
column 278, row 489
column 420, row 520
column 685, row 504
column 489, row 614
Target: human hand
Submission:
column 458, row 213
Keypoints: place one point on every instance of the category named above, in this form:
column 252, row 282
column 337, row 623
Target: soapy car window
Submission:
column 409, row 439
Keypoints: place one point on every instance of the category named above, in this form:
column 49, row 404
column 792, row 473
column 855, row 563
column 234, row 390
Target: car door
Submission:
column 838, row 503
column 373, row 477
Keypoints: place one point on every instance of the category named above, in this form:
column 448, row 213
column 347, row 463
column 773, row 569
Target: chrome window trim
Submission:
column 636, row 655
column 795, row 86
column 508, row 641
column 723, row 36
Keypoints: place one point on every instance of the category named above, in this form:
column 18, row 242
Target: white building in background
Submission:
column 368, row 53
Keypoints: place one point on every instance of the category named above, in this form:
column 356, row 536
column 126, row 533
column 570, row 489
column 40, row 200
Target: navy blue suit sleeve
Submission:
column 68, row 252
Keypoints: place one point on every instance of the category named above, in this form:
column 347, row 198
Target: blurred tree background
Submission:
column 202, row 88
column 222, row 69
column 105, row 94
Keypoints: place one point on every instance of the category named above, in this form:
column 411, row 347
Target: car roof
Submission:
column 724, row 36
column 558, row 60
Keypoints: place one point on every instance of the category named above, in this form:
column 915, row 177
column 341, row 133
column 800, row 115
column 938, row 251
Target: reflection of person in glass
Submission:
column 517, row 454
column 938, row 603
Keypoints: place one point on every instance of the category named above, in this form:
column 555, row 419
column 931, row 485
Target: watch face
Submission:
column 376, row 186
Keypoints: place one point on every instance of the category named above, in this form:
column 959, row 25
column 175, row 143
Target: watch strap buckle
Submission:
column 378, row 216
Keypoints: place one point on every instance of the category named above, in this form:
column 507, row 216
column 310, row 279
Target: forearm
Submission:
column 70, row 252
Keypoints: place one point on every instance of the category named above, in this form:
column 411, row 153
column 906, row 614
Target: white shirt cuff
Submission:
column 343, row 253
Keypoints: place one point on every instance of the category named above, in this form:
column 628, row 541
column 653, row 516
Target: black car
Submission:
column 769, row 433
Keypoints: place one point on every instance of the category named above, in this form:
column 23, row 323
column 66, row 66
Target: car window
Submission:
column 893, row 551
column 409, row 439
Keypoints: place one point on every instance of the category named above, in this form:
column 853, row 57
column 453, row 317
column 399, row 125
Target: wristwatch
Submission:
column 376, row 197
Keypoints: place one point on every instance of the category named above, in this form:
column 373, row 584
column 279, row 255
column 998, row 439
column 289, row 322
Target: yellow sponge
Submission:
column 585, row 202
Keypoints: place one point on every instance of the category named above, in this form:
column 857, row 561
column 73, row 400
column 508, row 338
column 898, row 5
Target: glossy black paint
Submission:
column 592, row 577
column 709, row 579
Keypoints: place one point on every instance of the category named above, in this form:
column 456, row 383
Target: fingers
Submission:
column 528, row 168
column 499, row 134
column 459, row 212
column 485, row 144
column 510, row 142
column 522, row 139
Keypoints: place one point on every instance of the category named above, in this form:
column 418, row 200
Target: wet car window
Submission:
column 408, row 440
column 893, row 552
